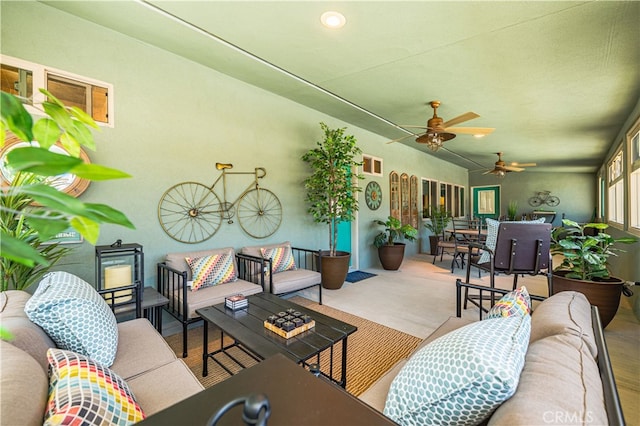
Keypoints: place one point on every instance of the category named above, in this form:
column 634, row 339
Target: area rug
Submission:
column 355, row 276
column 371, row 351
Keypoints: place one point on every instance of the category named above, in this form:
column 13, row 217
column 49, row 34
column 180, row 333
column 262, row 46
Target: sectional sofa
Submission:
column 565, row 377
column 137, row 368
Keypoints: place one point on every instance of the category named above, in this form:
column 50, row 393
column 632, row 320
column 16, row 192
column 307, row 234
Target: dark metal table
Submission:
column 246, row 327
column 296, row 398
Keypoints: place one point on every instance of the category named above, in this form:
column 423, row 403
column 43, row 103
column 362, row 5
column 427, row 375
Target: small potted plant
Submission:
column 512, row 210
column 439, row 219
column 390, row 251
column 584, row 265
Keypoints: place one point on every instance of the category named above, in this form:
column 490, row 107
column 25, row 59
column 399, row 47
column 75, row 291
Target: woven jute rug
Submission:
column 371, row 351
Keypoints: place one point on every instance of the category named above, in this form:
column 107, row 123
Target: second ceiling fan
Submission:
column 439, row 131
column 501, row 168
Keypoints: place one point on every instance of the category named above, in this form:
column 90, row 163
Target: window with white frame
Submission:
column 442, row 195
column 615, row 179
column 371, row 165
column 634, row 179
column 25, row 79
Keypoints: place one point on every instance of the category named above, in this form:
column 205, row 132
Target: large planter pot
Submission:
column 433, row 244
column 334, row 269
column 605, row 293
column 391, row 256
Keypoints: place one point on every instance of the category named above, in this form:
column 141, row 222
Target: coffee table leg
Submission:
column 205, row 348
column 343, row 374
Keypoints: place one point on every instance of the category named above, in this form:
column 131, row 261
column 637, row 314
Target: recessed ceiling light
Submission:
column 333, row 20
column 479, row 136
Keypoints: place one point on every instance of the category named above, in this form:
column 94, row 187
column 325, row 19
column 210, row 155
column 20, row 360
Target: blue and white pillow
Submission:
column 461, row 377
column 75, row 316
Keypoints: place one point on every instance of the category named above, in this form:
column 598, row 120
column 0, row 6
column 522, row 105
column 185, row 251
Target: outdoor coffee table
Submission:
column 246, row 328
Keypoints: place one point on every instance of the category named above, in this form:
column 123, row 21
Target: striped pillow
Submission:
column 212, row 270
column 515, row 303
column 281, row 258
column 81, row 391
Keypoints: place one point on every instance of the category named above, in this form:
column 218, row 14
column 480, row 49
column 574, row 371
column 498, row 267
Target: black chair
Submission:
column 445, row 242
column 520, row 248
column 465, row 232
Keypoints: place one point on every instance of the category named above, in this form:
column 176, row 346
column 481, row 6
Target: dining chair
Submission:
column 445, row 242
column 520, row 248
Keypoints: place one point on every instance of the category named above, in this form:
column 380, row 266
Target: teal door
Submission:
column 486, row 201
column 344, row 237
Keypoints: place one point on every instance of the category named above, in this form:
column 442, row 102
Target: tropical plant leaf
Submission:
column 18, row 120
column 46, row 132
column 41, row 161
column 88, row 228
column 19, row 251
column 47, row 227
column 97, row 172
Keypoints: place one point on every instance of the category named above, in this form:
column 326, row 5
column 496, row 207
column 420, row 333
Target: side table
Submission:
column 152, row 303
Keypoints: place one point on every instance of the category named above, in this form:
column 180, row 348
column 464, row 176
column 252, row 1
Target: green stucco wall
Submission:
column 174, row 119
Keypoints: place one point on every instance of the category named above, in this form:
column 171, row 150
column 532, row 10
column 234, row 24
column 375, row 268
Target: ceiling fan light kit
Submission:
column 439, row 131
column 501, row 168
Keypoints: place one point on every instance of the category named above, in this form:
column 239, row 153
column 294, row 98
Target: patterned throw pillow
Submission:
column 75, row 316
column 515, row 303
column 461, row 377
column 281, row 258
column 492, row 236
column 82, row 391
column 212, row 270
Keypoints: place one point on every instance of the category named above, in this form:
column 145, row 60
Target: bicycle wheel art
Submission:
column 190, row 212
column 259, row 213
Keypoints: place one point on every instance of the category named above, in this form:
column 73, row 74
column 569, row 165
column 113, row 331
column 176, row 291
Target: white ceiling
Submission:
column 556, row 79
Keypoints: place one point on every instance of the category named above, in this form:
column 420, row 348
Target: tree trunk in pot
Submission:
column 605, row 293
column 391, row 256
column 334, row 269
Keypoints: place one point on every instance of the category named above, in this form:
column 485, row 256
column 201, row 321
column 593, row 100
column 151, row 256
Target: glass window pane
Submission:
column 17, row 81
column 68, row 92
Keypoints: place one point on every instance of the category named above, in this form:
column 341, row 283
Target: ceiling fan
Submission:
column 439, row 131
column 501, row 168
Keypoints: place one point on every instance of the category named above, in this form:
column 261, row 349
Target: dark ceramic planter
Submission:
column 391, row 256
column 605, row 293
column 433, row 244
column 334, row 269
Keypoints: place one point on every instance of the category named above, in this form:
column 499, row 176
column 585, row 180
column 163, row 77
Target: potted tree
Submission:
column 439, row 219
column 332, row 195
column 584, row 264
column 31, row 210
column 390, row 251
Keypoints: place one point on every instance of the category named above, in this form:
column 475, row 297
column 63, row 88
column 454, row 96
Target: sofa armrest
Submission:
column 493, row 294
column 306, row 258
column 124, row 299
column 610, row 390
column 172, row 283
column 252, row 268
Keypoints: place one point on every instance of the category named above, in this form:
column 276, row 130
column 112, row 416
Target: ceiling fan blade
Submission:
column 459, row 119
column 412, row 126
column 470, row 130
column 523, row 164
column 403, row 138
column 489, row 171
column 513, row 169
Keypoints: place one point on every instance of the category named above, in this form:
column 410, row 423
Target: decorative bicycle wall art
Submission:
column 192, row 212
column 544, row 197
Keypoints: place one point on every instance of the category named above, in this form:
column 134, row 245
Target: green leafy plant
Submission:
column 512, row 210
column 332, row 187
column 394, row 230
column 31, row 211
column 439, row 219
column 585, row 255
